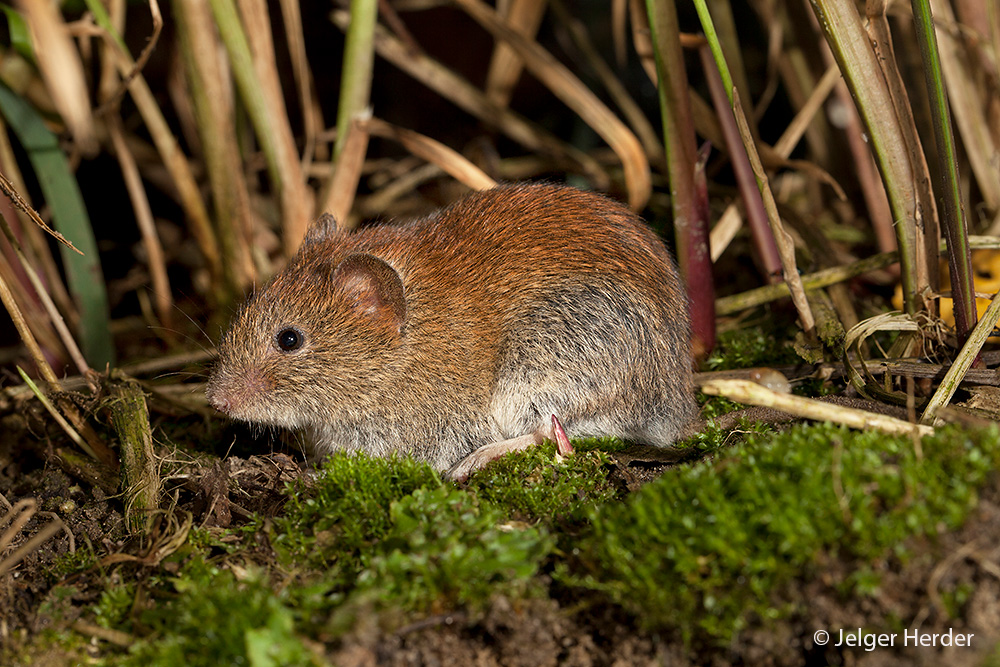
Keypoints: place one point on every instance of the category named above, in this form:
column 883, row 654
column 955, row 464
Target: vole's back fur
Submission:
column 517, row 303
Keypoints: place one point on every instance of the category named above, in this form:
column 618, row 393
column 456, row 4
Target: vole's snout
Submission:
column 237, row 394
column 218, row 400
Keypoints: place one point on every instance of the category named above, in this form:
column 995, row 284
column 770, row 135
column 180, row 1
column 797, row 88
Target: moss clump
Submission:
column 446, row 550
column 706, row 546
column 389, row 535
column 115, row 604
column 534, row 485
column 346, row 509
column 750, row 347
column 713, row 438
column 379, row 544
column 213, row 618
column 72, row 562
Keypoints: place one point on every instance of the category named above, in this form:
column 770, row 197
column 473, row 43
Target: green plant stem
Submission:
column 359, row 58
column 231, row 30
column 140, row 481
column 728, row 305
column 782, row 241
column 949, row 195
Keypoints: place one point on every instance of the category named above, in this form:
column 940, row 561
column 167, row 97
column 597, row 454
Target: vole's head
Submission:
column 315, row 345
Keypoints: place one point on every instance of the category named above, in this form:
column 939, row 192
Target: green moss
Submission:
column 58, row 604
column 221, row 540
column 72, row 563
column 114, row 605
column 533, row 485
column 749, row 347
column 698, row 552
column 346, row 509
column 706, row 546
column 214, row 618
column 713, row 438
column 447, row 550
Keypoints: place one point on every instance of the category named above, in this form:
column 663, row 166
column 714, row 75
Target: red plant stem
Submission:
column 760, row 229
column 690, row 202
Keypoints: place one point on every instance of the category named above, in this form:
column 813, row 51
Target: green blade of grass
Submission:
column 359, row 59
column 61, row 192
column 20, row 36
column 949, row 195
column 781, row 238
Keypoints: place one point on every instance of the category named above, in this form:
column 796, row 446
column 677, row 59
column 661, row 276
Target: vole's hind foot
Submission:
column 479, row 458
column 563, row 445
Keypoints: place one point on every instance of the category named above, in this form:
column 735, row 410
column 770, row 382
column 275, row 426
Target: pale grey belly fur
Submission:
column 605, row 362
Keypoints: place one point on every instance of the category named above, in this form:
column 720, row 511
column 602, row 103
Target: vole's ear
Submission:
column 376, row 288
column 324, row 227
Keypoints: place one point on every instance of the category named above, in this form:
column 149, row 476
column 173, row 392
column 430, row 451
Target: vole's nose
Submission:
column 216, row 398
column 220, row 403
column 239, row 394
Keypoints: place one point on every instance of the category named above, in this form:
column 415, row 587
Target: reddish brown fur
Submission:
column 516, row 302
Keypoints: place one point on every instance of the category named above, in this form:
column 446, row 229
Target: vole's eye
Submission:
column 289, row 340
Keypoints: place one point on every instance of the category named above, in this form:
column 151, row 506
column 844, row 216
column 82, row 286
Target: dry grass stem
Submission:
column 942, row 396
column 73, row 434
column 55, row 317
column 793, row 133
column 751, row 393
column 113, row 98
column 872, row 189
column 568, row 88
column 642, row 40
column 784, row 242
column 615, row 88
column 923, row 207
column 312, row 115
column 449, row 160
column 855, row 338
column 728, row 305
column 506, row 65
column 11, row 192
column 725, row 230
column 619, row 30
column 174, row 160
column 400, row 187
column 343, row 183
column 35, row 244
column 296, row 199
column 968, row 108
column 116, row 637
column 147, row 227
column 18, row 516
column 467, row 97
column 60, row 66
column 24, row 331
